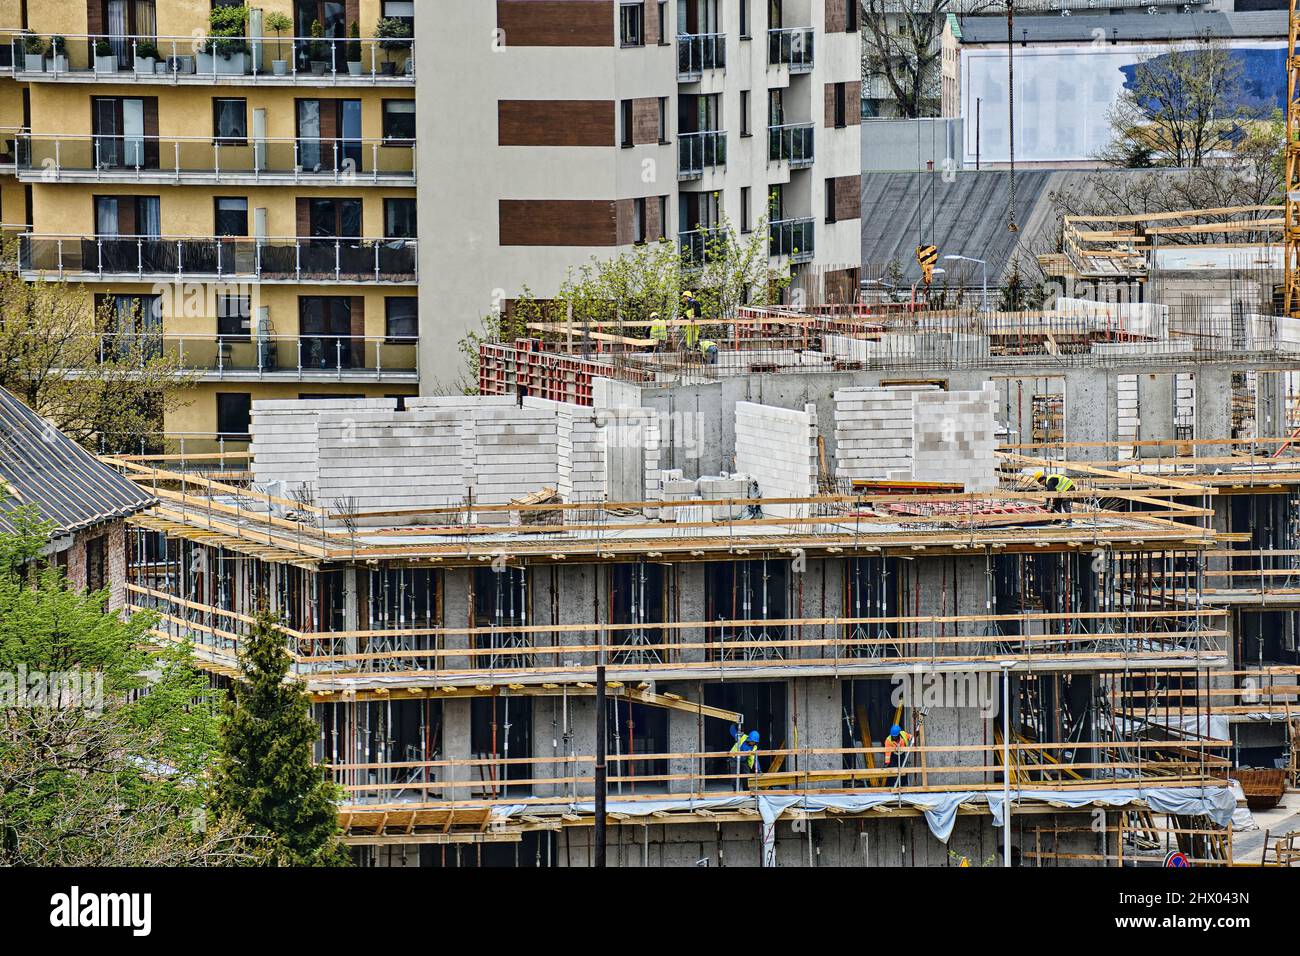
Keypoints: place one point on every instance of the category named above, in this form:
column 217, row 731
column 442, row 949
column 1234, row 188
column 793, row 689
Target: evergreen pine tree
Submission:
column 265, row 771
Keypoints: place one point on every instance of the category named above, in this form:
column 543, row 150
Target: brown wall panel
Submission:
column 645, row 121
column 555, row 123
column 557, row 222
column 848, row 197
column 853, row 102
column 836, row 19
column 556, row 22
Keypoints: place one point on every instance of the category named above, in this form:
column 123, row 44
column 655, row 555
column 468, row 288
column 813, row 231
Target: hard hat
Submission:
column 753, row 735
column 895, row 730
column 1038, row 475
column 687, row 294
column 654, row 315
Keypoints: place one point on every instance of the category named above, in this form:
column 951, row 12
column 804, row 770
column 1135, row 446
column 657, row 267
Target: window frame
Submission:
column 389, row 337
column 390, row 139
column 238, row 140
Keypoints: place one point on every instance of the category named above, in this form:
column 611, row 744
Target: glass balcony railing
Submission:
column 792, row 238
column 316, row 259
column 697, row 52
column 350, row 356
column 304, row 159
column 696, row 244
column 791, row 144
column 699, row 151
column 201, row 58
column 792, row 47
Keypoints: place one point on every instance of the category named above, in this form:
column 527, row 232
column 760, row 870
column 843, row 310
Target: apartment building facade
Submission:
column 580, row 128
column 232, row 185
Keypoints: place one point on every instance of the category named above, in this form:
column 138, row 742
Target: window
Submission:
column 830, row 200
column 231, row 215
column 399, row 119
column 774, row 14
column 744, row 19
column 234, row 411
column 663, row 17
column 230, row 121
column 850, row 16
column 399, row 218
column 638, row 221
column 841, row 115
column 631, row 24
column 744, row 113
column 401, row 318
column 118, row 216
column 234, row 316
column 744, row 210
column 663, row 217
column 625, row 120
column 663, row 119
column 403, row 9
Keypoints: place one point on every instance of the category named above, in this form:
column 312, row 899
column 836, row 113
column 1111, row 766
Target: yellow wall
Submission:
column 68, row 209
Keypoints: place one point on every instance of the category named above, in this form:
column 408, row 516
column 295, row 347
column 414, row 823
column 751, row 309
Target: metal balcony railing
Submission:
column 696, row 243
column 316, row 259
column 792, row 47
column 697, row 52
column 201, row 59
column 792, row 238
column 792, row 143
column 99, row 158
column 289, row 356
column 699, row 151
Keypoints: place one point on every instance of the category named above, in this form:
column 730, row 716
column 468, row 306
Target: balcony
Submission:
column 698, row 52
column 792, row 47
column 792, row 143
column 223, row 358
column 696, row 244
column 284, row 61
column 197, row 159
column 792, row 238
column 310, row 260
column 697, row 152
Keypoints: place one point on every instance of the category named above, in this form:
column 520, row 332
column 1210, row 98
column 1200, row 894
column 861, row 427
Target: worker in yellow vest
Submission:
column 1055, row 482
column 709, row 352
column 658, row 333
column 745, row 749
column 690, row 311
column 896, row 743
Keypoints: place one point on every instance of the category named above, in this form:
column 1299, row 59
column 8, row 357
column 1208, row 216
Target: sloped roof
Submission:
column 41, row 466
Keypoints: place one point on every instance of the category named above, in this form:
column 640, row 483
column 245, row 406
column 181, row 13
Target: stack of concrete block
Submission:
column 873, row 431
column 382, row 460
column 778, row 447
column 510, row 452
column 954, row 437
column 719, row 487
column 676, row 488
column 284, row 438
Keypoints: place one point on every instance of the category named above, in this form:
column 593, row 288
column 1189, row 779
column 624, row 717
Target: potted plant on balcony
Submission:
column 105, row 58
column 33, row 53
column 318, row 50
column 394, row 34
column 278, row 22
column 56, row 56
column 226, row 49
column 354, row 49
column 146, row 57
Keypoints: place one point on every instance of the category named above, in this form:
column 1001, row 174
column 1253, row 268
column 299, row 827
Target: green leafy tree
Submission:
column 114, row 775
column 265, row 772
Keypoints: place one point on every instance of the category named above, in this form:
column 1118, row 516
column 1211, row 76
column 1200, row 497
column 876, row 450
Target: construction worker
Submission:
column 658, row 333
column 709, row 351
column 745, row 747
column 896, row 743
column 1055, row 482
column 690, row 311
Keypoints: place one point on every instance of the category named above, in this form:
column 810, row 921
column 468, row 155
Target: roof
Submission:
column 1265, row 24
column 966, row 217
column 41, row 466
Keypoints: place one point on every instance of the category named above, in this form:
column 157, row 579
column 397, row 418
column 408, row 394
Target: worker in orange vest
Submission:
column 897, row 742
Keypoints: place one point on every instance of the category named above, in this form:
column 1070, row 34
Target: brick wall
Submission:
column 778, row 448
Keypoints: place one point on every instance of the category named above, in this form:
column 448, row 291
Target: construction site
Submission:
column 874, row 584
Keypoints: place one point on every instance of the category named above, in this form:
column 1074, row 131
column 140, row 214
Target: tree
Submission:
column 1019, row 294
column 722, row 268
column 98, row 382
column 1181, row 107
column 901, row 46
column 109, row 771
column 265, row 772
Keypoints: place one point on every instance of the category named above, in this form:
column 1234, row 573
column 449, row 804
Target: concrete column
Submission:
column 1155, row 397
column 456, row 745
column 820, row 723
column 685, row 735
column 456, row 586
column 1089, row 412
